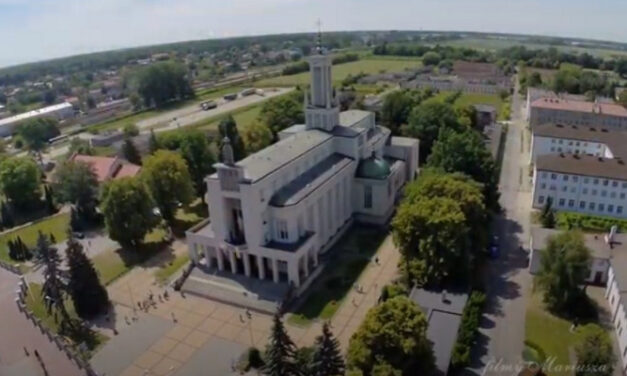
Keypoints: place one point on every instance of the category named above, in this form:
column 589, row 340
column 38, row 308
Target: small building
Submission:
column 444, row 315
column 107, row 168
column 59, row 111
column 486, row 114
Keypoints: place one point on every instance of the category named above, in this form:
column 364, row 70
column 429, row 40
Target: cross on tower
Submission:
column 319, row 41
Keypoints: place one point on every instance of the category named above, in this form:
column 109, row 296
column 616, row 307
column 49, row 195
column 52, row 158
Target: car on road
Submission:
column 208, row 105
column 230, row 97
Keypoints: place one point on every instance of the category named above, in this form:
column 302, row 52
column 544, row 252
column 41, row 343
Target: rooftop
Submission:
column 599, row 248
column 107, row 168
column 581, row 164
column 29, row 114
column 580, row 106
column 444, row 314
column 351, row 118
column 614, row 139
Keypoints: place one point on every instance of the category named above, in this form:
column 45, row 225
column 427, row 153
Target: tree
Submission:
column 465, row 152
column 163, row 82
column 282, row 112
column 425, row 122
column 76, row 183
column 621, row 66
column 622, row 98
column 80, row 146
column 547, row 216
column 327, row 358
column 564, row 267
column 431, row 58
column 595, row 355
column 396, row 108
column 534, row 80
column 127, row 209
column 89, row 296
column 153, row 143
column 130, row 130
column 53, row 291
column 393, row 333
column 130, row 152
column 196, row 150
column 50, row 206
column 280, row 352
column 168, row 181
column 256, row 136
column 7, row 216
column 37, row 131
column 20, row 181
column 228, row 128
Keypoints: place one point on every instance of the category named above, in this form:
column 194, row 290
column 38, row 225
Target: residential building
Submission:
column 551, row 138
column 59, row 111
column 534, row 94
column 571, row 112
column 444, row 314
column 581, row 183
column 275, row 212
column 616, row 294
column 107, row 168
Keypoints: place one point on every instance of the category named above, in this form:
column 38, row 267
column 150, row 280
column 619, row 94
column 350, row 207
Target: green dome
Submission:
column 373, row 168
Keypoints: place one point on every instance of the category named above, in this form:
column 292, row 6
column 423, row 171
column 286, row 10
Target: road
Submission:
column 193, row 113
column 18, row 332
column 502, row 331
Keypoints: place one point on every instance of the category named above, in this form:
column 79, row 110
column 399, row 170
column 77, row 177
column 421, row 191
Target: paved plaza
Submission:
column 194, row 332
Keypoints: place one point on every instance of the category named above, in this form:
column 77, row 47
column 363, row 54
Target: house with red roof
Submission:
column 578, row 113
column 107, row 168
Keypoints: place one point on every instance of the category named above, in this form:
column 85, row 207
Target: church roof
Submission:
column 373, row 168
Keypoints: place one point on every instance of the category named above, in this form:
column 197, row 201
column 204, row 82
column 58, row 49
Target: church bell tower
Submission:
column 321, row 107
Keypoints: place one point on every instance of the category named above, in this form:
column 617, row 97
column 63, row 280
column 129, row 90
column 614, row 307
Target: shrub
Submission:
column 586, row 222
column 468, row 329
column 392, row 290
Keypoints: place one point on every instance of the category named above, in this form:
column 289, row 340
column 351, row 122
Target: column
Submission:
column 233, row 263
column 315, row 258
column 292, row 272
column 220, row 257
column 261, row 266
column 275, row 270
column 193, row 255
column 306, row 264
column 246, row 263
column 208, row 258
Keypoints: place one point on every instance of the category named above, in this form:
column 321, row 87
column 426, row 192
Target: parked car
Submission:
column 208, row 105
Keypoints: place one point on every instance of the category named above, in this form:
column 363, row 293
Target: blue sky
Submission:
column 33, row 30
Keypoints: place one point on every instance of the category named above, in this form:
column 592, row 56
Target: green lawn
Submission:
column 56, row 225
column 548, row 332
column 167, row 271
column 349, row 259
column 368, row 66
column 114, row 263
column 243, row 116
column 475, row 98
column 92, row 339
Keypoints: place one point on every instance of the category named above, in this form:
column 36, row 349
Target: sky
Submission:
column 32, row 30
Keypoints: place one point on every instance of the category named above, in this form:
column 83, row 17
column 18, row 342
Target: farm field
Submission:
column 368, row 66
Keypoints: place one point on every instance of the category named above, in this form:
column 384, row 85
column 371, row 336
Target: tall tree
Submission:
column 76, row 183
column 465, row 152
column 280, row 352
column 36, row 132
column 163, row 82
column 48, row 197
column 327, row 358
column 394, row 333
column 89, row 296
column 20, row 181
column 432, row 234
column 595, row 355
column 130, row 152
column 396, row 108
column 168, row 181
column 127, row 209
column 256, row 136
column 53, row 289
column 564, row 267
column 153, row 143
column 282, row 112
column 196, row 150
column 547, row 216
column 228, row 128
column 426, row 120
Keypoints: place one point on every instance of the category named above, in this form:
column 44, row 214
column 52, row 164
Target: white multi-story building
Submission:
column 581, row 183
column 59, row 111
column 273, row 213
column 551, row 138
column 616, row 294
column 571, row 112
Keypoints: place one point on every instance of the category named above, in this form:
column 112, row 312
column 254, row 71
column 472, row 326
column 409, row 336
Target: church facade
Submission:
column 275, row 212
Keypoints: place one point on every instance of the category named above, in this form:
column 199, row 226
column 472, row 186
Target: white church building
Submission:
column 273, row 213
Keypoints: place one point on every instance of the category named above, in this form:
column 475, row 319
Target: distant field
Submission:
column 498, row 44
column 474, row 98
column 340, row 71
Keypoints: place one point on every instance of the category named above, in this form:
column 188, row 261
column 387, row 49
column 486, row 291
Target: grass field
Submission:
column 56, row 225
column 349, row 259
column 242, row 117
column 473, row 98
column 92, row 339
column 368, row 66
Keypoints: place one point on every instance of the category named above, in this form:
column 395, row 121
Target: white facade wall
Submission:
column 617, row 311
column 541, row 115
column 583, row 194
column 541, row 145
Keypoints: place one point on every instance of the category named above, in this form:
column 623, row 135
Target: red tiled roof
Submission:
column 580, row 106
column 127, row 169
column 107, row 168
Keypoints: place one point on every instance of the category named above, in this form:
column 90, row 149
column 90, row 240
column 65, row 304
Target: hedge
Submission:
column 468, row 329
column 587, row 222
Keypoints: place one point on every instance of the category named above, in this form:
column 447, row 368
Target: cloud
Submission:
column 40, row 29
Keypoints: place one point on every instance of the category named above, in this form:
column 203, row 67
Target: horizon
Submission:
column 75, row 28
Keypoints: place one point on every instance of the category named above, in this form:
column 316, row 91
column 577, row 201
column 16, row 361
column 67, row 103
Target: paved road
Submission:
column 508, row 282
column 16, row 332
column 193, row 113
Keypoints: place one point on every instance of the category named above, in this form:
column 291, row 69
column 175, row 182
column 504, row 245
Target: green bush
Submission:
column 392, row 290
column 468, row 329
column 567, row 221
